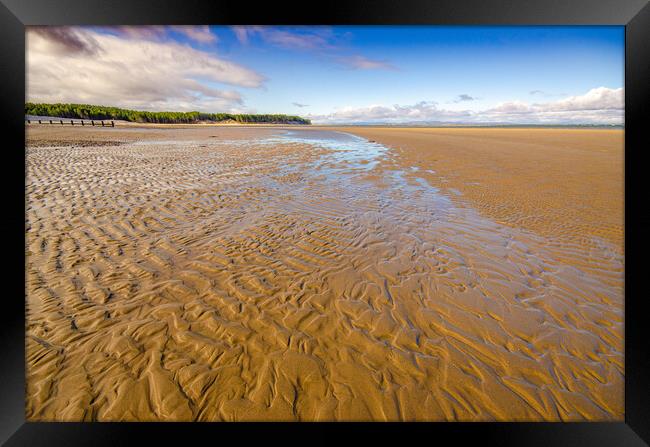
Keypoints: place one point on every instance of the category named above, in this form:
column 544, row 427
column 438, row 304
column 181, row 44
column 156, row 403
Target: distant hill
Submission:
column 87, row 111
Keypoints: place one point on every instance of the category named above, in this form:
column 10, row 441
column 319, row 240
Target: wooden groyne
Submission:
column 62, row 122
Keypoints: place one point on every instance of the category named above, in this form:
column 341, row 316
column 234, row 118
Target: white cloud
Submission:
column 600, row 105
column 421, row 111
column 130, row 70
column 510, row 107
column 601, row 98
column 363, row 63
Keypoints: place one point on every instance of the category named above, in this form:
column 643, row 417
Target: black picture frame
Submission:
column 633, row 14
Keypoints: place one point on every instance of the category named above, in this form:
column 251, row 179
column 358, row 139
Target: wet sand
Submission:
column 563, row 183
column 307, row 274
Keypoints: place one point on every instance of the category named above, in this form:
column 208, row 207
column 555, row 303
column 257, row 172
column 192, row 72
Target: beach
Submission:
column 245, row 273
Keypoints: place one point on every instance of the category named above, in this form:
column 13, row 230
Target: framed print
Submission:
column 427, row 216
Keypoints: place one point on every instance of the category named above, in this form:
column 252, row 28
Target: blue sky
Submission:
column 341, row 74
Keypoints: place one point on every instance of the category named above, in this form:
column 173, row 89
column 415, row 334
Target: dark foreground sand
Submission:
column 221, row 273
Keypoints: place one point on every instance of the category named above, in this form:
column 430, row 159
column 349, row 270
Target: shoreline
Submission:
column 119, row 123
column 566, row 183
column 529, row 177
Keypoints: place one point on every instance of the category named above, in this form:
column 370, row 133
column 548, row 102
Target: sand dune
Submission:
column 261, row 274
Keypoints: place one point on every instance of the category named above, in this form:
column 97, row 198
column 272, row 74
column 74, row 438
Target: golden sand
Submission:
column 557, row 182
column 253, row 274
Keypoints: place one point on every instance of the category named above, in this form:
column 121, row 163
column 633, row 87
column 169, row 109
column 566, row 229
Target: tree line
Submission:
column 92, row 112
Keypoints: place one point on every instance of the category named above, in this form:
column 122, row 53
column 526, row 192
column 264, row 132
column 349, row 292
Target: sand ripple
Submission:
column 284, row 279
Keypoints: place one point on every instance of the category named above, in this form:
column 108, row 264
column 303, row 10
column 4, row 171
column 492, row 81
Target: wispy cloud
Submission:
column 151, row 32
column 200, row 34
column 600, row 105
column 297, row 104
column 131, row 70
column 320, row 40
column 66, row 40
column 196, row 33
column 364, row 63
column 295, row 38
column 544, row 93
column 241, row 33
column 464, row 97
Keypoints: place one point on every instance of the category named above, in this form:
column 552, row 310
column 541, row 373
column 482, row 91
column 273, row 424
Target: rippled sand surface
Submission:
column 560, row 183
column 268, row 274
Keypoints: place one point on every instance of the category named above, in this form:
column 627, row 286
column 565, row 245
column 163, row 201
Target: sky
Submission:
column 339, row 74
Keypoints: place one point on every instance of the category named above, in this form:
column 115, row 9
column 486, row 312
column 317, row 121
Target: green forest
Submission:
column 87, row 111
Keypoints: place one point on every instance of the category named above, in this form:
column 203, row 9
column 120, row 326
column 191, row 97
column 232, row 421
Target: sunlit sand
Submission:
column 224, row 273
